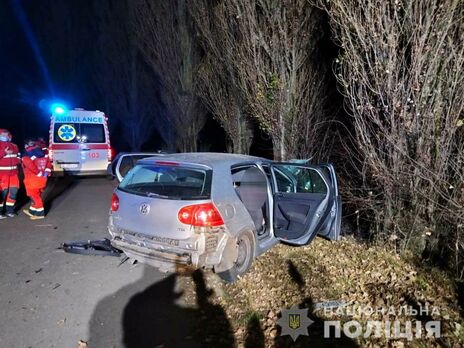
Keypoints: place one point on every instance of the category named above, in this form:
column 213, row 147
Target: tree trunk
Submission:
column 241, row 144
column 279, row 148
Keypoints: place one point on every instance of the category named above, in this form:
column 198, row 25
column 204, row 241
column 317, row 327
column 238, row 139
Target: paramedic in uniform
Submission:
column 37, row 169
column 9, row 181
column 42, row 144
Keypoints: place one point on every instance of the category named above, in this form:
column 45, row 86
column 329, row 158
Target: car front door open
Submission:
column 305, row 203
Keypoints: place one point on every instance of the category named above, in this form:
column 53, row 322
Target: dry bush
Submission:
column 400, row 71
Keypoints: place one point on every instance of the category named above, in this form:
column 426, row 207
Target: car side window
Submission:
column 291, row 178
column 284, row 182
column 318, row 184
column 125, row 165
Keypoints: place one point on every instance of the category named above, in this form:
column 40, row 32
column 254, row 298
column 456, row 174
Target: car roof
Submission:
column 210, row 159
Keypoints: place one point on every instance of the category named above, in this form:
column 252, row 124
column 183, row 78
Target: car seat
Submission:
column 253, row 193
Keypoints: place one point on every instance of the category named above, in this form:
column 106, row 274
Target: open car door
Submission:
column 306, row 202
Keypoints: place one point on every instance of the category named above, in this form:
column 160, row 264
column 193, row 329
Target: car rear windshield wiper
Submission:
column 157, row 195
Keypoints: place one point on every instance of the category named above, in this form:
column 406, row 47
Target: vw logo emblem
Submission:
column 144, row 208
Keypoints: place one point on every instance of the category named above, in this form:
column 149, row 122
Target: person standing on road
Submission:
column 37, row 168
column 9, row 181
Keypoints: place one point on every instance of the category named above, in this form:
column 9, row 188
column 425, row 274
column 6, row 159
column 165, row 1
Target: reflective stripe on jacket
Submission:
column 9, row 161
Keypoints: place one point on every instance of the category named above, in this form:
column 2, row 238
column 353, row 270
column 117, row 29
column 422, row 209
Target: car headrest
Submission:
column 253, row 176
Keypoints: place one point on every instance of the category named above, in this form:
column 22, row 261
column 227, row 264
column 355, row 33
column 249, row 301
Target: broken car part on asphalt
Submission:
column 101, row 247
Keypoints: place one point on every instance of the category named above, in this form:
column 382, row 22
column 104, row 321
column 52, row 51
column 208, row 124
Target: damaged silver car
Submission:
column 220, row 211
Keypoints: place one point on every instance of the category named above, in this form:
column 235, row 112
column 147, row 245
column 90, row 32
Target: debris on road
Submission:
column 92, row 247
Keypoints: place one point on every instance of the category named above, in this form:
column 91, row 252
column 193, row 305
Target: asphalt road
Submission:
column 49, row 298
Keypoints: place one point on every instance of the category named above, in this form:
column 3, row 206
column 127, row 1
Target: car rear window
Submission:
column 79, row 133
column 169, row 182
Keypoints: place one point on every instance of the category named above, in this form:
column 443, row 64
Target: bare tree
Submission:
column 401, row 73
column 216, row 81
column 166, row 42
column 122, row 77
column 224, row 101
column 269, row 51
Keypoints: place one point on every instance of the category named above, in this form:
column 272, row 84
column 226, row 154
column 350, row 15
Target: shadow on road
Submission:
column 147, row 313
column 55, row 188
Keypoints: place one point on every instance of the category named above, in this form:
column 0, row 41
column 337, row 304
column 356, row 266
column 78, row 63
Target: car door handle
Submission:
column 85, row 149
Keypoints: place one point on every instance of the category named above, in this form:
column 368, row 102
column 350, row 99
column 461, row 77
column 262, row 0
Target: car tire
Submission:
column 246, row 251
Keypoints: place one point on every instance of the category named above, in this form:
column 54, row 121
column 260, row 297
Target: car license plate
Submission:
column 69, row 166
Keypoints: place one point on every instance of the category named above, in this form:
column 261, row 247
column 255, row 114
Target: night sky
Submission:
column 38, row 67
column 22, row 87
column 32, row 73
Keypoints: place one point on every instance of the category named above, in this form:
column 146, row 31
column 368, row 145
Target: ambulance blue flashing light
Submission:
column 58, row 109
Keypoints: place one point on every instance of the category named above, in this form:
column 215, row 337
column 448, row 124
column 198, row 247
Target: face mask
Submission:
column 4, row 138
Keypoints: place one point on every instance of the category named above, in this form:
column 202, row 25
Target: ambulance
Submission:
column 79, row 142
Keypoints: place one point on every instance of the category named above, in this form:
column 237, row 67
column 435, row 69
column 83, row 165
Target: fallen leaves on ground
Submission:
column 346, row 271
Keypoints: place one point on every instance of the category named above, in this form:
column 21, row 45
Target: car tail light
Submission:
column 202, row 215
column 110, row 154
column 114, row 203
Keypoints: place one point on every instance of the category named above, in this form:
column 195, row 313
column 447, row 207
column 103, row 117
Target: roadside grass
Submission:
column 357, row 275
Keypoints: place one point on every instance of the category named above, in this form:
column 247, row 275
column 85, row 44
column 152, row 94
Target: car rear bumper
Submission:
column 63, row 172
column 152, row 256
column 203, row 250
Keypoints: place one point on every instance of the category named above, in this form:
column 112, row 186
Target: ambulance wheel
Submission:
column 245, row 255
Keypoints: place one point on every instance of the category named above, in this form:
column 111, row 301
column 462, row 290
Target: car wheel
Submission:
column 246, row 248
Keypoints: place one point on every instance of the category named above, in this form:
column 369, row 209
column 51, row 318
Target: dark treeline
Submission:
column 374, row 86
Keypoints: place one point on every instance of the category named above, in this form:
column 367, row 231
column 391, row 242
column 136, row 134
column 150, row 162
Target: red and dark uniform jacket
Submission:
column 9, row 162
column 36, row 166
